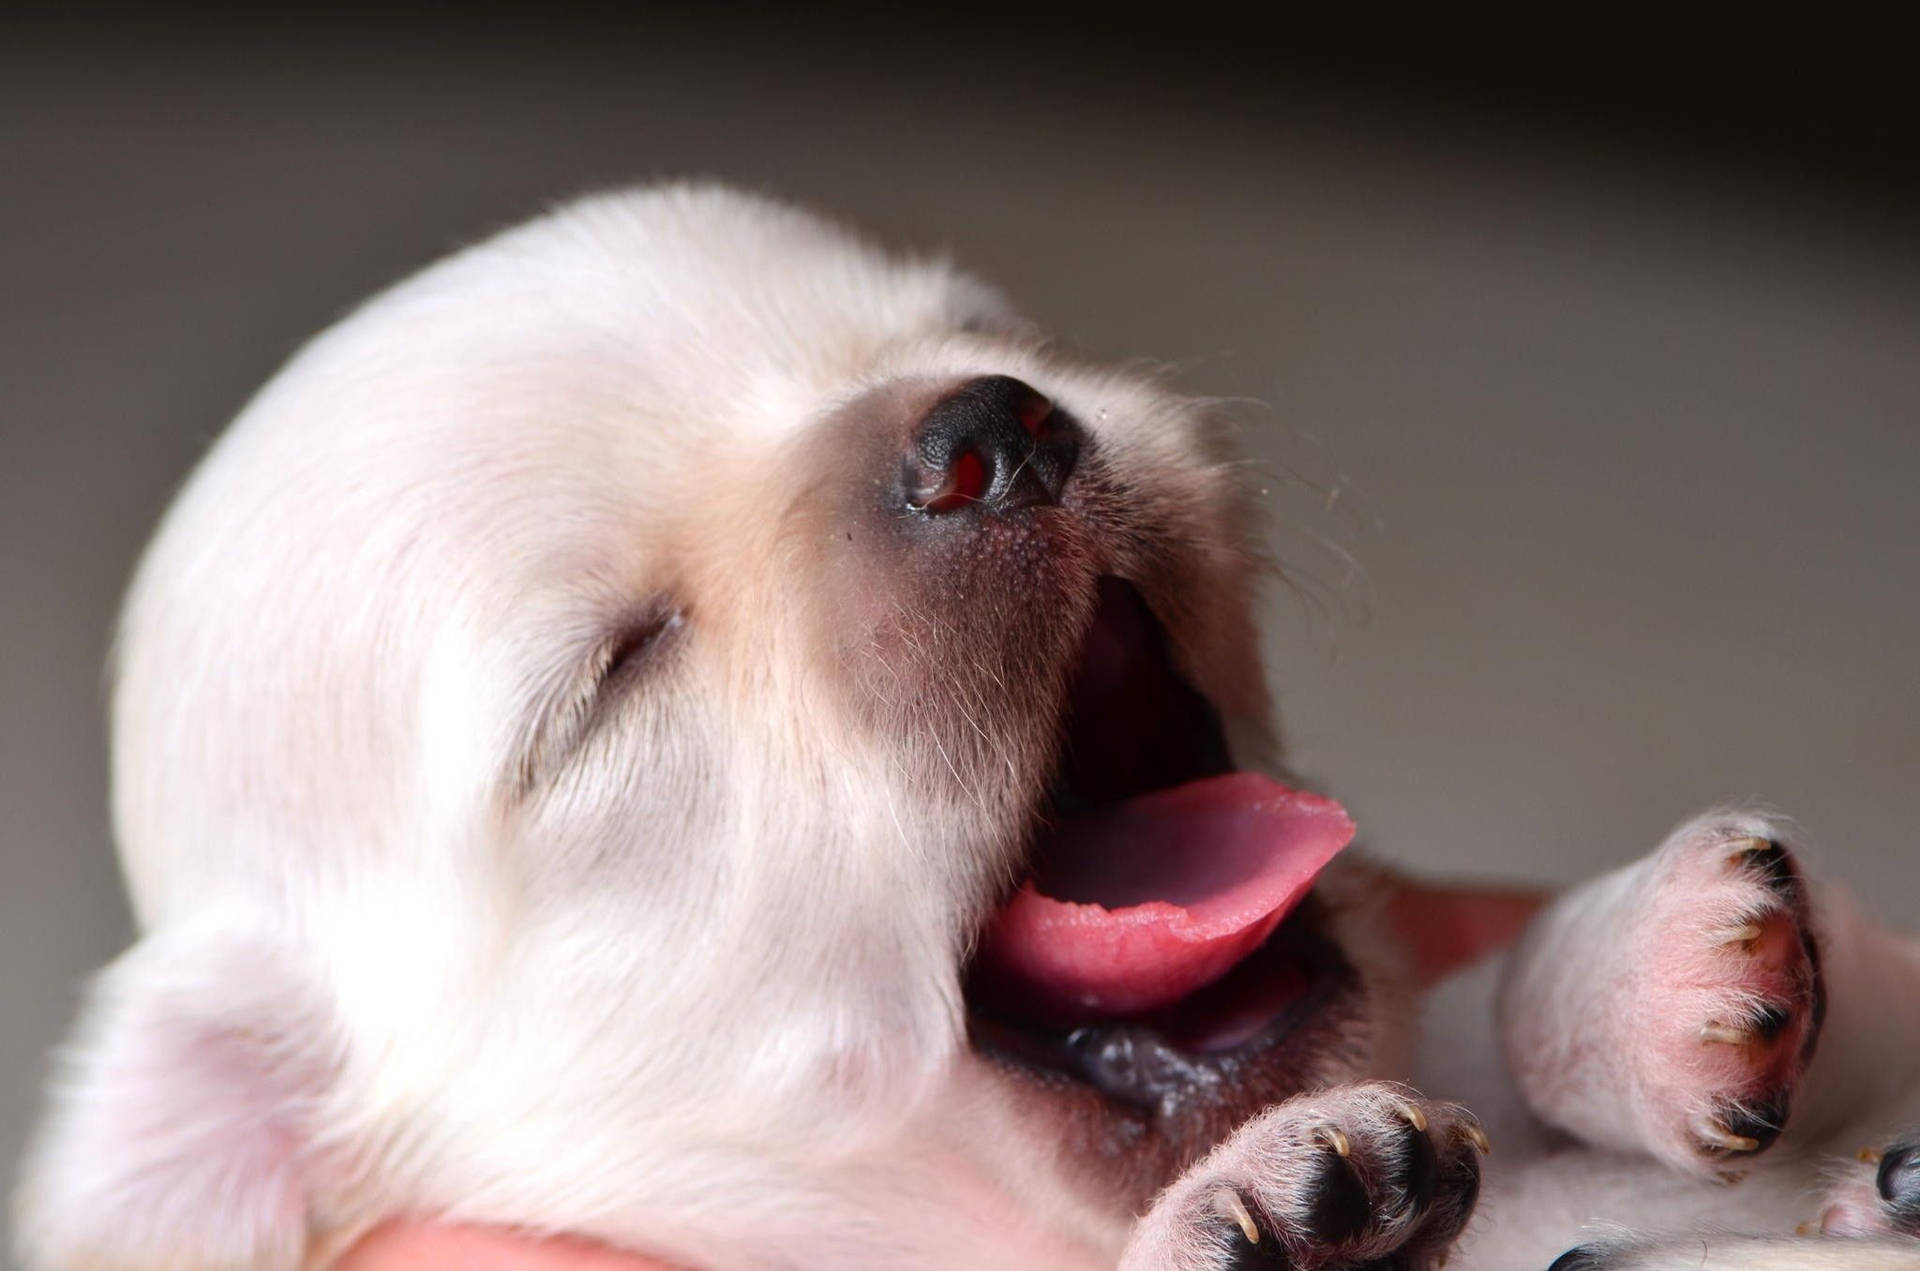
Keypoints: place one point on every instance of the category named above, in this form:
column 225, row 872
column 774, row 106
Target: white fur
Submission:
column 714, row 956
column 685, row 980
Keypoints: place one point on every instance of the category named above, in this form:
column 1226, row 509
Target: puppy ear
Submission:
column 180, row 1128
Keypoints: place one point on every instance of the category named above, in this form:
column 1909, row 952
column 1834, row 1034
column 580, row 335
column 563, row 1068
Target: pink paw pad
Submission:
column 1730, row 992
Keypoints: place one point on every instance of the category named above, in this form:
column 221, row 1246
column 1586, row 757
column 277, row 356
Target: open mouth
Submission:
column 1165, row 928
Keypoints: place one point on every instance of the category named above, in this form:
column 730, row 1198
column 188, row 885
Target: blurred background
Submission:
column 1587, row 375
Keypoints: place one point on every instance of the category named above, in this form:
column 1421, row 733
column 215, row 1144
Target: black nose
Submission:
column 994, row 444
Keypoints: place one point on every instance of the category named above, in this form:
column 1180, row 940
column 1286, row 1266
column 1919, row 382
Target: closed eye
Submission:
column 618, row 665
column 632, row 649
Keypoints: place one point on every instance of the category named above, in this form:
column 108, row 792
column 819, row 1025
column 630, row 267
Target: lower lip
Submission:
column 1274, row 981
column 1277, row 987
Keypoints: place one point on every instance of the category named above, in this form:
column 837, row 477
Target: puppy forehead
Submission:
column 641, row 340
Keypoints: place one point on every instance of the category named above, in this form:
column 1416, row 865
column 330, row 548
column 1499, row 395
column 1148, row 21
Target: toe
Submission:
column 1248, row 1237
column 1339, row 1206
column 1756, row 1122
column 1413, row 1170
column 1768, row 863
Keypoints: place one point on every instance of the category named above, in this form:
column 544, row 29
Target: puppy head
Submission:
column 573, row 732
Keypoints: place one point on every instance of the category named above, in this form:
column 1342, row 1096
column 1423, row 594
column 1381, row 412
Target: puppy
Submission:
column 674, row 726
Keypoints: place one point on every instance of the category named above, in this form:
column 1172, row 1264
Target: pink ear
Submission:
column 179, row 1129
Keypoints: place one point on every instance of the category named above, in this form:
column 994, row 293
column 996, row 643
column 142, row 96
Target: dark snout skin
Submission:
column 951, row 563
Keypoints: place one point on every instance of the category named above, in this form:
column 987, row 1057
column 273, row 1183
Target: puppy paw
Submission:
column 1725, row 998
column 1879, row 1197
column 1673, row 1006
column 1329, row 1182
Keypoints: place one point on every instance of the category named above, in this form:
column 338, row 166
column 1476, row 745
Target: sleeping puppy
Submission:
column 674, row 726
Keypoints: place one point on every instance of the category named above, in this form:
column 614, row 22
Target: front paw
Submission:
column 1675, row 1006
column 1323, row 1183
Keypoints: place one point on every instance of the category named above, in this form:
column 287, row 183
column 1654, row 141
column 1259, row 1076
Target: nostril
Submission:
column 1033, row 412
column 994, row 443
column 965, row 483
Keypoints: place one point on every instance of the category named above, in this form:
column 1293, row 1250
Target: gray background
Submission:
column 1594, row 462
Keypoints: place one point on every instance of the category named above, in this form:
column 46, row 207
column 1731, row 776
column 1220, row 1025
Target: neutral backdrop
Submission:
column 1593, row 459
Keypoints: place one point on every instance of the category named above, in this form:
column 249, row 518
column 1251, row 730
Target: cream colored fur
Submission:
column 430, row 924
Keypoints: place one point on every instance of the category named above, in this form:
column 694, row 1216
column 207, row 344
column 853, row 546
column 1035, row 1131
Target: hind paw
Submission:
column 1673, row 1006
column 1726, row 999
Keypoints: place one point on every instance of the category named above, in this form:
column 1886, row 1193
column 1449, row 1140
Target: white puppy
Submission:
column 674, row 726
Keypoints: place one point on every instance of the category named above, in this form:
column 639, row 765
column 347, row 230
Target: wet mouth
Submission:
column 1165, row 935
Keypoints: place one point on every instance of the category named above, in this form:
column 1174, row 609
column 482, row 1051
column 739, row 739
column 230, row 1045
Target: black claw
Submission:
column 1584, row 1258
column 1774, row 863
column 1761, row 1121
column 1340, row 1208
column 1899, row 1181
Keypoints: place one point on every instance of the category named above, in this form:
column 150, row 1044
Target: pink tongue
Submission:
column 1149, row 901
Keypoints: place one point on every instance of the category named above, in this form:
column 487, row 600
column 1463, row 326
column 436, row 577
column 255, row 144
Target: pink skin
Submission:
column 1446, row 928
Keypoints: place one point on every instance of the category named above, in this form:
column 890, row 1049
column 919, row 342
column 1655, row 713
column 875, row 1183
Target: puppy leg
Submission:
column 1364, row 1175
column 1673, row 1006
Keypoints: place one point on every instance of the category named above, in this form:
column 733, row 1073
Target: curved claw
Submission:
column 1712, row 1133
column 1227, row 1204
column 1335, row 1138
